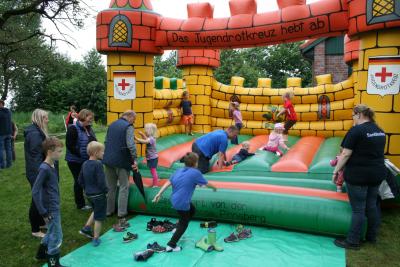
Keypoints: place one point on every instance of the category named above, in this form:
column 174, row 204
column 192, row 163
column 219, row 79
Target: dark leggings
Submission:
column 235, row 141
column 34, row 217
column 75, row 169
column 184, row 219
column 204, row 163
column 288, row 125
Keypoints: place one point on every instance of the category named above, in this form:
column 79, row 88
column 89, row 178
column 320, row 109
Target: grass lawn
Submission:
column 18, row 248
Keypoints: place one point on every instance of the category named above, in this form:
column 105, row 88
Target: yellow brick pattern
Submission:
column 144, row 103
column 387, row 108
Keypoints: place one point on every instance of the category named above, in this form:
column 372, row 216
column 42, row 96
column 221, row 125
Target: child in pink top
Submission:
column 237, row 117
column 339, row 178
column 276, row 140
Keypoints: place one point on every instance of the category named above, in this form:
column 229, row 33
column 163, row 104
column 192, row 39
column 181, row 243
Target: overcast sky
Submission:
column 85, row 39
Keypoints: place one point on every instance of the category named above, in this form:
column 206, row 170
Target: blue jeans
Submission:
column 5, row 145
column 363, row 204
column 54, row 235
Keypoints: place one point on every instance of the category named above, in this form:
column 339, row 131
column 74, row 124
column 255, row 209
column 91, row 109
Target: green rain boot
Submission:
column 212, row 240
column 204, row 245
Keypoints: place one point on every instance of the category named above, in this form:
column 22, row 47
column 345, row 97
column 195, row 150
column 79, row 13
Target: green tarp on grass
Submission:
column 267, row 247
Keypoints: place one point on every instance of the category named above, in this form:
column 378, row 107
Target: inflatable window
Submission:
column 120, row 34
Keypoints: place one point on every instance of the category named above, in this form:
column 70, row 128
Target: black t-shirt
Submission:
column 366, row 163
column 186, row 106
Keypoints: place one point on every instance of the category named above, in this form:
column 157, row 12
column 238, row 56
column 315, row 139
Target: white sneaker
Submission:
column 175, row 249
column 278, row 154
column 38, row 234
column 86, row 207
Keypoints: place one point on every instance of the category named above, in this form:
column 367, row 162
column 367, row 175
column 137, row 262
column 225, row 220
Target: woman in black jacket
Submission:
column 34, row 135
column 78, row 136
column 364, row 170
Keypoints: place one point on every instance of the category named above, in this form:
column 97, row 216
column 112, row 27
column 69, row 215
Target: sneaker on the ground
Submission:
column 344, row 244
column 156, row 247
column 38, row 234
column 129, row 237
column 86, row 207
column 143, row 255
column 169, row 226
column 171, row 249
column 245, row 233
column 86, row 231
column 124, row 223
column 96, row 242
column 231, row 238
column 118, row 228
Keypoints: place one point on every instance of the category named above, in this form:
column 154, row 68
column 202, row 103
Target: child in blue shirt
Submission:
column 93, row 181
column 46, row 195
column 183, row 183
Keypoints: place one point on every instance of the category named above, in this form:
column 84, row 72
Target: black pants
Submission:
column 288, row 125
column 204, row 162
column 184, row 219
column 34, row 217
column 235, row 141
column 75, row 169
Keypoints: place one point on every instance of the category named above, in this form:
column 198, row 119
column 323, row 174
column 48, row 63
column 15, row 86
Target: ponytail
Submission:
column 365, row 111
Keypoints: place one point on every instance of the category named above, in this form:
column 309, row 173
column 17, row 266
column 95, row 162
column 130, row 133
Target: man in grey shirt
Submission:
column 119, row 159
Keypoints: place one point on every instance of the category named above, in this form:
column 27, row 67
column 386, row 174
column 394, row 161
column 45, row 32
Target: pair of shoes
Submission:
column 86, row 208
column 86, row 231
column 169, row 226
column 96, row 242
column 123, row 223
column 344, row 244
column 54, row 260
column 171, row 249
column 162, row 226
column 38, row 234
column 129, row 237
column 156, row 247
column 210, row 224
column 143, row 255
column 118, row 228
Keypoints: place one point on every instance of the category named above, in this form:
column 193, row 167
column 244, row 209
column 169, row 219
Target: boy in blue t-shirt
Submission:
column 46, row 195
column 93, row 181
column 183, row 183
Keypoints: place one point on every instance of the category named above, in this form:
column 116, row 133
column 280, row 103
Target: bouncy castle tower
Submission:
column 130, row 33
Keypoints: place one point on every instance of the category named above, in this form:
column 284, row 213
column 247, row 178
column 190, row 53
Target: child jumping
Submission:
column 339, row 177
column 46, row 195
column 275, row 140
column 183, row 183
column 93, row 181
column 149, row 138
column 237, row 117
column 187, row 114
column 242, row 155
column 290, row 114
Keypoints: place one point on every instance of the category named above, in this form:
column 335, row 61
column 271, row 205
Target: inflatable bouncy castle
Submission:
column 293, row 191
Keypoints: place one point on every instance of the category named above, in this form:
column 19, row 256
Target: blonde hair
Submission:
column 246, row 144
column 94, row 147
column 38, row 116
column 150, row 129
column 84, row 113
column 288, row 94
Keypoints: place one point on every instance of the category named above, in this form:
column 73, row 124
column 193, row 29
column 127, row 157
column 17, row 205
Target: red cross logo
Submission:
column 123, row 84
column 384, row 74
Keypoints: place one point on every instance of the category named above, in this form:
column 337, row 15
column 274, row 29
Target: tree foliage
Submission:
column 167, row 66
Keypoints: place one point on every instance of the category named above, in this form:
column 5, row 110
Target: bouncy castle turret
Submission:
column 376, row 23
column 126, row 34
column 198, row 65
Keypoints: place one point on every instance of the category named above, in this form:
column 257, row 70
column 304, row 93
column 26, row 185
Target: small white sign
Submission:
column 124, row 85
column 384, row 75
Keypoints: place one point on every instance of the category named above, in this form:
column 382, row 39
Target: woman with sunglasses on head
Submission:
column 363, row 162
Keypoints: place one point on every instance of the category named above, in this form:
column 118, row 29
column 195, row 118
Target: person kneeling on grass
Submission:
column 183, row 183
column 46, row 196
column 93, row 182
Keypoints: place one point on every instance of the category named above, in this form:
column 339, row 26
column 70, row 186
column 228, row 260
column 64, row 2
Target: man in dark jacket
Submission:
column 5, row 136
column 119, row 159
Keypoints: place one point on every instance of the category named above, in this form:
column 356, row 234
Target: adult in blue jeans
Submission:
column 5, row 136
column 364, row 169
